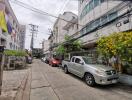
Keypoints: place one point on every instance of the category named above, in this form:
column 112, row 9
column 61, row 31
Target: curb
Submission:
column 125, row 79
column 24, row 89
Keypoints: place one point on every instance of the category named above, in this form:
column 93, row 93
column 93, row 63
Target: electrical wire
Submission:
column 26, row 6
column 62, row 9
column 45, row 13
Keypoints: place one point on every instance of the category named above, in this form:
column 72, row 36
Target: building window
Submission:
column 96, row 3
column 87, row 8
column 10, row 45
column 81, row 1
column 104, row 20
column 90, row 6
column 101, row 1
column 112, row 16
column 97, row 23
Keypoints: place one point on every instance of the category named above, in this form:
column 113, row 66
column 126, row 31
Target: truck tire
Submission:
column 89, row 79
column 66, row 70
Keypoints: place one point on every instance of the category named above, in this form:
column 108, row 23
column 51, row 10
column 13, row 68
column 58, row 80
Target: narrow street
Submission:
column 51, row 83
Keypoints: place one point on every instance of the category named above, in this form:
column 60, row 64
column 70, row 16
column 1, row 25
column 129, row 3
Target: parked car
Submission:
column 87, row 68
column 54, row 62
column 47, row 60
column 29, row 60
column 43, row 59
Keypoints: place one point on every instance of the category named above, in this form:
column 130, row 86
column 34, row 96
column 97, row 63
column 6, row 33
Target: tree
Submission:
column 68, row 46
column 116, row 44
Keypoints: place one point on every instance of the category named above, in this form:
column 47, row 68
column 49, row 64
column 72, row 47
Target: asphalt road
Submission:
column 51, row 83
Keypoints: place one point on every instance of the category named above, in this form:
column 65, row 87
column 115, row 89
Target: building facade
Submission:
column 102, row 17
column 10, row 38
column 45, row 46
column 22, row 36
column 61, row 28
column 72, row 27
column 58, row 29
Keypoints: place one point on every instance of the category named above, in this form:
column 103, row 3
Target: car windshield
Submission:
column 89, row 60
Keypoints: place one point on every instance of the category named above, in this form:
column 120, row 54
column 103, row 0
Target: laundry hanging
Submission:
column 3, row 22
column 9, row 27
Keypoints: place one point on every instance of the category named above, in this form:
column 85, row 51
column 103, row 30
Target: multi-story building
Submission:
column 45, row 46
column 11, row 38
column 58, row 29
column 103, row 17
column 72, row 27
column 22, row 36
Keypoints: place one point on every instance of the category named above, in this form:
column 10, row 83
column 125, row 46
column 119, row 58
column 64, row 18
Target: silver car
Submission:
column 87, row 68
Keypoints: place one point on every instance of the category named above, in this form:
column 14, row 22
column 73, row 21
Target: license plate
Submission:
column 114, row 81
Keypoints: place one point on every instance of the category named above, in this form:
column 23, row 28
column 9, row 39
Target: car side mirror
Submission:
column 81, row 63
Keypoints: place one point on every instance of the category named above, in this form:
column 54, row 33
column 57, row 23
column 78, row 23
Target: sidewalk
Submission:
column 14, row 82
column 125, row 79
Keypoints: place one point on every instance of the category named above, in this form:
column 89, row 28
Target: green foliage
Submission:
column 14, row 53
column 116, row 44
column 69, row 46
column 61, row 50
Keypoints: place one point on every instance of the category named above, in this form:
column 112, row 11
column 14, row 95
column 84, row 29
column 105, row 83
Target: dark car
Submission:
column 47, row 60
column 29, row 60
column 54, row 62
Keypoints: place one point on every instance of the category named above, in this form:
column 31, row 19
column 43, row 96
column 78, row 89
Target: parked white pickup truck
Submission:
column 87, row 68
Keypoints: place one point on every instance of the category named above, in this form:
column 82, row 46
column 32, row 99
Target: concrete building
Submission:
column 10, row 40
column 72, row 27
column 103, row 17
column 22, row 36
column 45, row 47
column 58, row 29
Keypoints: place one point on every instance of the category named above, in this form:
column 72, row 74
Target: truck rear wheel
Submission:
column 66, row 70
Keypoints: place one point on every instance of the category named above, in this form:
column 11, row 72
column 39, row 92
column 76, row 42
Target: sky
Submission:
column 26, row 17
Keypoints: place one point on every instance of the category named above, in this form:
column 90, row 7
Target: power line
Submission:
column 64, row 5
column 26, row 6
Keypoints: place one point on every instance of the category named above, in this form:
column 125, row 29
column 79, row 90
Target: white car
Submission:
column 85, row 67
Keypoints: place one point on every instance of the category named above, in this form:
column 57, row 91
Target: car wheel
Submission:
column 66, row 70
column 52, row 65
column 89, row 79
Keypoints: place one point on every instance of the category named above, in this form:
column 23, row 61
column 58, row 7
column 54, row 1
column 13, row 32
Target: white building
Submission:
column 22, row 36
column 45, row 45
column 72, row 27
column 10, row 40
column 58, row 30
column 103, row 17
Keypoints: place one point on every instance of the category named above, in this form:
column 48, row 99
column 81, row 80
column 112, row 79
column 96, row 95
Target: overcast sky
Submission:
column 54, row 7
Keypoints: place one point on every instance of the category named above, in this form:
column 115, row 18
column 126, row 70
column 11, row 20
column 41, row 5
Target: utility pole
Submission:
column 33, row 30
column 1, row 66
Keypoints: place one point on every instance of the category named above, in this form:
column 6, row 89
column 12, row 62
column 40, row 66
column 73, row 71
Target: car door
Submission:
column 71, row 64
column 78, row 67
